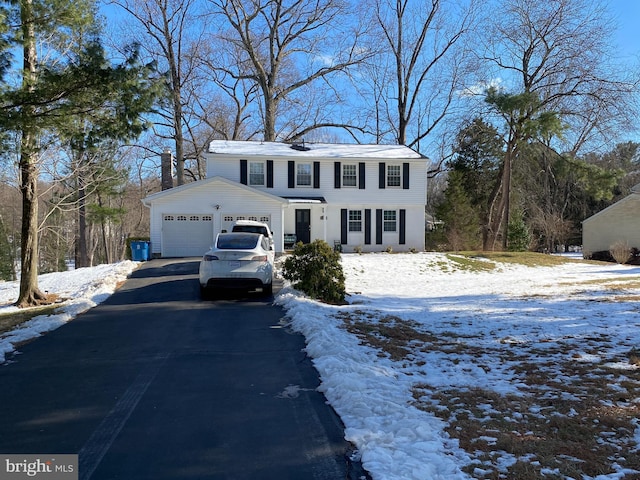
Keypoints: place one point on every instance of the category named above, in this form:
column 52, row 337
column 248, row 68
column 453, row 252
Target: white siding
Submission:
column 619, row 222
column 216, row 199
column 416, row 194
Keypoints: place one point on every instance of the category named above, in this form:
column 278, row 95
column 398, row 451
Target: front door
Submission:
column 303, row 225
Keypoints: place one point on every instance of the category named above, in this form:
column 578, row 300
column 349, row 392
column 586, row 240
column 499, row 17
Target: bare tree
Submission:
column 171, row 35
column 424, row 42
column 284, row 47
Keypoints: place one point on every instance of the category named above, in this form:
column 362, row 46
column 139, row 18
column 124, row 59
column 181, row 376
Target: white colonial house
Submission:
column 360, row 197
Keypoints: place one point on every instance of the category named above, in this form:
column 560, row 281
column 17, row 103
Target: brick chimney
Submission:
column 166, row 167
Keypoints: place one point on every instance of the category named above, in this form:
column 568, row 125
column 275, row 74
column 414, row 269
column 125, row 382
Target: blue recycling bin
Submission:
column 139, row 251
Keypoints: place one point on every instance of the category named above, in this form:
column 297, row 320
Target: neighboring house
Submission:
column 368, row 197
column 619, row 222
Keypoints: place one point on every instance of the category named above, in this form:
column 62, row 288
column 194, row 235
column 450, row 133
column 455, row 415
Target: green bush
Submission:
column 315, row 269
column 518, row 235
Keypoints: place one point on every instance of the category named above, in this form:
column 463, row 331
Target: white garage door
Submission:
column 186, row 235
column 228, row 219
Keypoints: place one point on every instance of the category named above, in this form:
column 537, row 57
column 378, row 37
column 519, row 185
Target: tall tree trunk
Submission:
column 30, row 294
column 82, row 257
column 176, row 92
column 491, row 227
column 270, row 107
column 506, row 196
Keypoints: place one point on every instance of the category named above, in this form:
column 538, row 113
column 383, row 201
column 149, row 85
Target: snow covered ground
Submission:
column 427, row 342
column 435, row 363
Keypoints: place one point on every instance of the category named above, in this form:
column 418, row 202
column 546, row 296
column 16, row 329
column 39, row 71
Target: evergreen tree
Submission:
column 519, row 235
column 460, row 218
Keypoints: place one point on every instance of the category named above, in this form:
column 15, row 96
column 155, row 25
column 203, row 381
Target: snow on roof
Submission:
column 322, row 150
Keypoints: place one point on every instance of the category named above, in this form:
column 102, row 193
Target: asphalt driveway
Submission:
column 156, row 384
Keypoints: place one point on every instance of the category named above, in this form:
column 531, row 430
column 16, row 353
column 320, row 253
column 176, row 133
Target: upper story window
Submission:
column 256, row 173
column 304, row 174
column 349, row 175
column 394, row 176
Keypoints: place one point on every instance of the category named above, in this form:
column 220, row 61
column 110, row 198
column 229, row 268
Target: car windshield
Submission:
column 237, row 242
column 250, row 229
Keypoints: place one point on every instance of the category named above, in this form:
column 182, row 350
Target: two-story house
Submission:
column 362, row 197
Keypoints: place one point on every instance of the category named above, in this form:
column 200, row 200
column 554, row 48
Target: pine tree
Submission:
column 51, row 94
column 460, row 218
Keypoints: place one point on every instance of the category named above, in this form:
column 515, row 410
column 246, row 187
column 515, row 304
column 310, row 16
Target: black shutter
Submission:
column 243, row 172
column 291, row 173
column 344, row 225
column 379, row 226
column 337, row 173
column 382, row 174
column 361, row 175
column 316, row 174
column 405, row 176
column 403, row 227
column 269, row 173
column 367, row 226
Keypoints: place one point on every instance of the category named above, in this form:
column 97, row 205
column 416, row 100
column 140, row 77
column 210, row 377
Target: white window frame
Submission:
column 389, row 221
column 354, row 221
column 301, row 174
column 256, row 178
column 350, row 175
column 394, row 176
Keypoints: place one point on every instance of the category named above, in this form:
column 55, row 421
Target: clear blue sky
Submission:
column 627, row 14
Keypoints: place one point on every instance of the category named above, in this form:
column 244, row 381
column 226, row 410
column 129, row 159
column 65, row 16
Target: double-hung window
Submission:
column 349, row 175
column 389, row 220
column 355, row 220
column 304, row 174
column 256, row 174
column 394, row 176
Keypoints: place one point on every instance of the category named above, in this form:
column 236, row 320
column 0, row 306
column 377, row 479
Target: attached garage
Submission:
column 185, row 220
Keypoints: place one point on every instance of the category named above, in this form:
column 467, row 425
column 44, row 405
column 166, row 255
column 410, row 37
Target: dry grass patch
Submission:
column 389, row 334
column 529, row 259
column 559, row 429
column 470, row 263
column 9, row 321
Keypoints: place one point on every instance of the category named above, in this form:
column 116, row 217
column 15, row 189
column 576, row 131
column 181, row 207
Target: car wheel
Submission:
column 267, row 288
column 205, row 293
